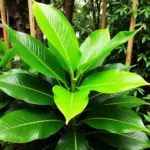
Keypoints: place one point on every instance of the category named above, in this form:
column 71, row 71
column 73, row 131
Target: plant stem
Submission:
column 73, row 89
column 73, row 85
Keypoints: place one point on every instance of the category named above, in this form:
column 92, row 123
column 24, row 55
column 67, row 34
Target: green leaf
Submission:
column 3, row 47
column 8, row 56
column 128, row 141
column 70, row 104
column 26, row 87
column 93, row 45
column 119, row 39
column 24, row 125
column 117, row 66
column 114, row 119
column 126, row 101
column 112, row 81
column 36, row 54
column 147, row 118
column 62, row 39
column 73, row 141
column 101, row 97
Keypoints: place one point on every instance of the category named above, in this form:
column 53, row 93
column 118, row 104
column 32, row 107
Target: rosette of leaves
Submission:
column 73, row 99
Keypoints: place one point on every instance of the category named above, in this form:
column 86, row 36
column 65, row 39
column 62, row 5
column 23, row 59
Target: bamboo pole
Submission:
column 31, row 19
column 3, row 16
column 7, row 16
column 104, row 11
column 131, row 41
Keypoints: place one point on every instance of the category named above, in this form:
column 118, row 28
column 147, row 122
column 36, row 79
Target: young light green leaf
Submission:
column 112, row 81
column 73, row 141
column 114, row 119
column 24, row 125
column 62, row 39
column 126, row 102
column 119, row 39
column 70, row 104
column 36, row 54
column 93, row 45
column 26, row 87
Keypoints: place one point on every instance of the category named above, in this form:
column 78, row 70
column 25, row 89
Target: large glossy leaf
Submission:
column 36, row 54
column 24, row 125
column 62, row 40
column 126, row 101
column 93, row 45
column 7, row 57
column 114, row 119
column 119, row 39
column 70, row 104
column 73, row 141
column 128, row 141
column 112, row 81
column 107, row 67
column 26, row 87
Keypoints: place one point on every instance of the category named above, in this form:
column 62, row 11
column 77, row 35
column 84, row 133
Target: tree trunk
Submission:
column 69, row 10
column 98, row 5
column 39, row 34
column 131, row 41
column 18, row 19
column 3, row 16
column 93, row 14
column 104, row 11
column 96, row 8
column 31, row 19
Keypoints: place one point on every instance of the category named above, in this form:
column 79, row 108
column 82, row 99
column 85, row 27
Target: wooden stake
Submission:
column 7, row 17
column 3, row 16
column 131, row 41
column 104, row 10
column 31, row 19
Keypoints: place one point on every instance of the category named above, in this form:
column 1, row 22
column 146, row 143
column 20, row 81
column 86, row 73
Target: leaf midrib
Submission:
column 111, row 83
column 59, row 42
column 75, row 141
column 71, row 103
column 28, row 89
column 31, row 123
column 113, row 121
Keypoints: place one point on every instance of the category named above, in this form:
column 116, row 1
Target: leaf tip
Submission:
column 67, row 121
